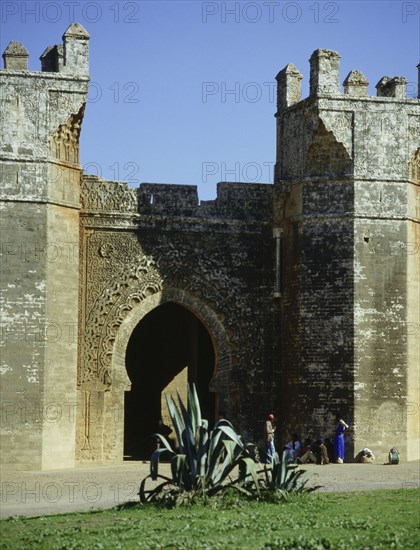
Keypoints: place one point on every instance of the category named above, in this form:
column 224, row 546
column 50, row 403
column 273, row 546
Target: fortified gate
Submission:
column 299, row 298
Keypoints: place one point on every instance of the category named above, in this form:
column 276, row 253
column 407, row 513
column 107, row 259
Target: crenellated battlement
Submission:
column 324, row 73
column 69, row 58
column 41, row 161
column 325, row 82
column 344, row 133
column 234, row 201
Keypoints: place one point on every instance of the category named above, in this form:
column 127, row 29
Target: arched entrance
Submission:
column 168, row 343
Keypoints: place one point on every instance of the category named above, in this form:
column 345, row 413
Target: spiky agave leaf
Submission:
column 165, row 442
column 226, row 446
column 247, row 470
column 279, row 471
column 188, row 438
column 205, row 423
column 194, row 407
column 178, row 464
column 286, row 478
column 214, row 453
column 223, row 422
column 232, row 454
column 202, row 450
column 232, row 435
column 177, row 421
column 154, row 462
column 149, row 495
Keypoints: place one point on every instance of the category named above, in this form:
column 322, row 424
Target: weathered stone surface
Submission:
column 325, row 73
column 52, row 59
column 356, row 84
column 288, row 86
column 15, row 57
column 307, row 290
column 392, row 87
column 347, row 196
column 40, row 193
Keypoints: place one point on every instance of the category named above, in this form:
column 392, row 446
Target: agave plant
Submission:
column 284, row 478
column 204, row 460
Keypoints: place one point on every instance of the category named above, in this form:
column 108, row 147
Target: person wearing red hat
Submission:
column 269, row 430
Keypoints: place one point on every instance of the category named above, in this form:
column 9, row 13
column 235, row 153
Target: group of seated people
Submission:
column 319, row 452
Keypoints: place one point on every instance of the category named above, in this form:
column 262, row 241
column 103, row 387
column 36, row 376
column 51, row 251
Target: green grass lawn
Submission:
column 377, row 519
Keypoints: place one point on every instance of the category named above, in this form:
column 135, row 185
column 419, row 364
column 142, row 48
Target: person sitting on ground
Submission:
column 320, row 451
column 306, row 452
column 330, row 449
column 365, row 457
column 292, row 448
column 306, row 445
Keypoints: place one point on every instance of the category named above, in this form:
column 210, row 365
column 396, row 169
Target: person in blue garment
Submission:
column 339, row 439
column 292, row 448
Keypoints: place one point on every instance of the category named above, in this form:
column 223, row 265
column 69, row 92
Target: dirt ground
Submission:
column 87, row 488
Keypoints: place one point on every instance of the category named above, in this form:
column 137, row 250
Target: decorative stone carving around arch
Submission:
column 101, row 439
column 201, row 310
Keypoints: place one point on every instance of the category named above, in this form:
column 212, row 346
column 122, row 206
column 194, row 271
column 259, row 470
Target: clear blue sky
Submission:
column 157, row 109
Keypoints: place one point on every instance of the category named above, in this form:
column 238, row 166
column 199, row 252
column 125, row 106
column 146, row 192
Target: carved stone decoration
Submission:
column 100, row 195
column 340, row 123
column 140, row 280
column 133, row 276
column 86, row 416
column 327, row 156
column 106, row 250
column 64, row 144
column 415, row 167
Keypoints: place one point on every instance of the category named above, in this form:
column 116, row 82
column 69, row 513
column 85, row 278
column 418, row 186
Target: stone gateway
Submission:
column 300, row 297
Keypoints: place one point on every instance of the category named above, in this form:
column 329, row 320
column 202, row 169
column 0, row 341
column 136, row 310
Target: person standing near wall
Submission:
column 339, row 439
column 269, row 430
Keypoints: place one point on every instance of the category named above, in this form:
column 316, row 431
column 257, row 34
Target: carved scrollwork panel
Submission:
column 121, row 275
column 108, row 196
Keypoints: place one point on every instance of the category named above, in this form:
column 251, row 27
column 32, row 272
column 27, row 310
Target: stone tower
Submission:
column 347, row 204
column 42, row 113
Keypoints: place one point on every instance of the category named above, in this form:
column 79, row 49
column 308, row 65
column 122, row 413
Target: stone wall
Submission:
column 40, row 189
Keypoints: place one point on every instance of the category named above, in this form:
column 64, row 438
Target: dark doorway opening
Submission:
column 165, row 342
